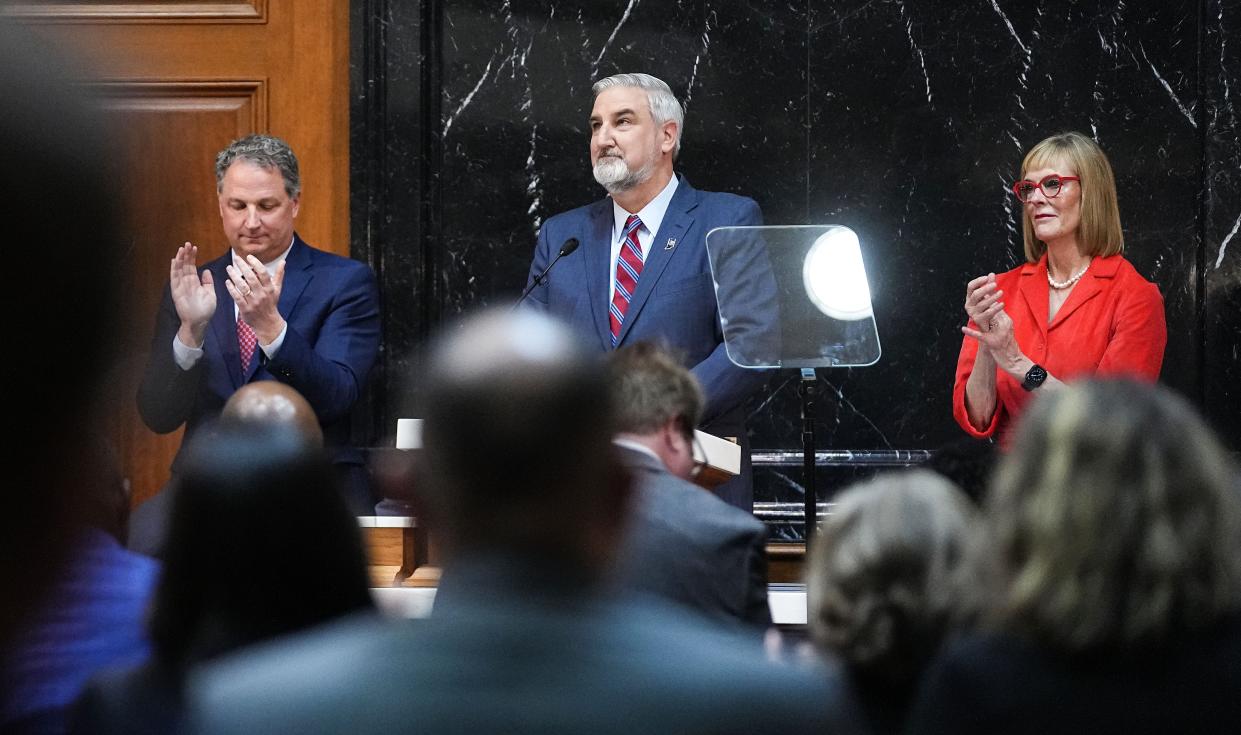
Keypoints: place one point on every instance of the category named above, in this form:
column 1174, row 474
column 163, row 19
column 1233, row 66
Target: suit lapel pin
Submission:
column 672, row 243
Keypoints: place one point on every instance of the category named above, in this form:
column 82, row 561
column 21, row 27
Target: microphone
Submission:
column 569, row 246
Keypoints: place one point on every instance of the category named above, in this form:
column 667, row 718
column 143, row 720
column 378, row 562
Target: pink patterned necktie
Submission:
column 247, row 341
column 628, row 268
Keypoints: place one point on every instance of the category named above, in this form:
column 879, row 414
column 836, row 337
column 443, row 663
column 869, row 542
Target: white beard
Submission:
column 614, row 175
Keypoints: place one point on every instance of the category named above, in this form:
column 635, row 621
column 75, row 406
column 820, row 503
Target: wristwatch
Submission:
column 1034, row 377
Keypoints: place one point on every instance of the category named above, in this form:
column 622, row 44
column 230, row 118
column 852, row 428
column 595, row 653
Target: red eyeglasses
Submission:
column 1051, row 185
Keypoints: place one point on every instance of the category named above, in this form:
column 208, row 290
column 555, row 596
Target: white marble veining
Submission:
column 1186, row 111
column 913, row 46
column 594, row 67
column 465, row 102
column 1223, row 246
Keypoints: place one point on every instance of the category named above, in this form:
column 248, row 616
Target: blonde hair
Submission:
column 1099, row 232
column 1114, row 523
column 886, row 577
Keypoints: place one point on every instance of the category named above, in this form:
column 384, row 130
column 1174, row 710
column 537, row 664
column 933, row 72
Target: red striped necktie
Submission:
column 247, row 341
column 628, row 268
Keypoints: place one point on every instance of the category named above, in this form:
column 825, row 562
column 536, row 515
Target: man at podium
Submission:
column 638, row 270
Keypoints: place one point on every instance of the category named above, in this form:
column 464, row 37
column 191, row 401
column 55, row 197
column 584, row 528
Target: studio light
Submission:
column 834, row 276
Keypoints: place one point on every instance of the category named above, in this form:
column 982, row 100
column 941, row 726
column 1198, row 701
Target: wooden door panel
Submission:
column 183, row 79
column 171, row 131
column 101, row 11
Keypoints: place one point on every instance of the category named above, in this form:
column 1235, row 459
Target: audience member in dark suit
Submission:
column 61, row 223
column 1112, row 577
column 92, row 616
column 262, row 544
column 522, row 483
column 272, row 308
column 684, row 544
column 886, row 583
column 276, row 405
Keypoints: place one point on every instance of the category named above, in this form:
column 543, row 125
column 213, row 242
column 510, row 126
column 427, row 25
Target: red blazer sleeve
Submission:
column 965, row 367
column 1139, row 334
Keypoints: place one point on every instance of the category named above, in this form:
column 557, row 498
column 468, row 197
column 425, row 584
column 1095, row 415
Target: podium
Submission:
column 400, row 547
column 795, row 297
column 721, row 458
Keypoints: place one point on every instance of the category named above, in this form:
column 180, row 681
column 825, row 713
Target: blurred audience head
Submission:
column 260, row 544
column 1115, row 522
column 517, row 452
column 62, row 236
column 887, row 573
column 272, row 403
column 658, row 402
column 1074, row 154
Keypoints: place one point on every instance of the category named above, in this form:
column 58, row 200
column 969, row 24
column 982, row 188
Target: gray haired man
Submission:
column 641, row 270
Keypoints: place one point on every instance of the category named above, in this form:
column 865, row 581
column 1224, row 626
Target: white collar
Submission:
column 652, row 215
column 271, row 267
column 637, row 447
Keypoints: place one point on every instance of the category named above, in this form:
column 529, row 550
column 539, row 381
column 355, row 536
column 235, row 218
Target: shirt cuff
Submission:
column 185, row 356
column 271, row 349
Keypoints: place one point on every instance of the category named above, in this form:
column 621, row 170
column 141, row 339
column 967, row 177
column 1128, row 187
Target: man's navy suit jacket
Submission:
column 674, row 303
column 331, row 305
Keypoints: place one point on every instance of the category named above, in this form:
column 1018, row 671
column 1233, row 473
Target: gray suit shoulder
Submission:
column 602, row 666
column 695, row 511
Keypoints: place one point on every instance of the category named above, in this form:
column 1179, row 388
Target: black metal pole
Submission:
column 808, row 390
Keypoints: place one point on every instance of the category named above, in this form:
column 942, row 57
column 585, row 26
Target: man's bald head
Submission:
column 517, row 439
column 270, row 403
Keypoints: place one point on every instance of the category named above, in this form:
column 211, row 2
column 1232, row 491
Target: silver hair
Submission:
column 887, row 577
column 266, row 151
column 663, row 103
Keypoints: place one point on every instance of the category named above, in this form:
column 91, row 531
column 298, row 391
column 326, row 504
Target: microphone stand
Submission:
column 569, row 246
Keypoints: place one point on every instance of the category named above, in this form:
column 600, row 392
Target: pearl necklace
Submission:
column 1061, row 285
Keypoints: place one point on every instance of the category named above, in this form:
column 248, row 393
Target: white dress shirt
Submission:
column 187, row 357
column 652, row 216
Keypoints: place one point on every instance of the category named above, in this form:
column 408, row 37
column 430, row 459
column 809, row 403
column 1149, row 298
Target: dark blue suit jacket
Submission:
column 673, row 304
column 331, row 305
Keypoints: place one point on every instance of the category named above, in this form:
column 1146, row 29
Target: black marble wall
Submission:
column 904, row 120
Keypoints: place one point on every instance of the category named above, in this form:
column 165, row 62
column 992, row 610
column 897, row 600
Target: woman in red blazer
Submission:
column 1075, row 308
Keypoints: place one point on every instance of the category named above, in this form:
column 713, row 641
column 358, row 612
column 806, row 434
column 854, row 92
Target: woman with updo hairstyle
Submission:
column 1111, row 577
column 1075, row 308
column 885, row 585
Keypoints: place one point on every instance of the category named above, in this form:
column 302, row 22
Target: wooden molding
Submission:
column 247, row 96
column 786, row 562
column 186, row 11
